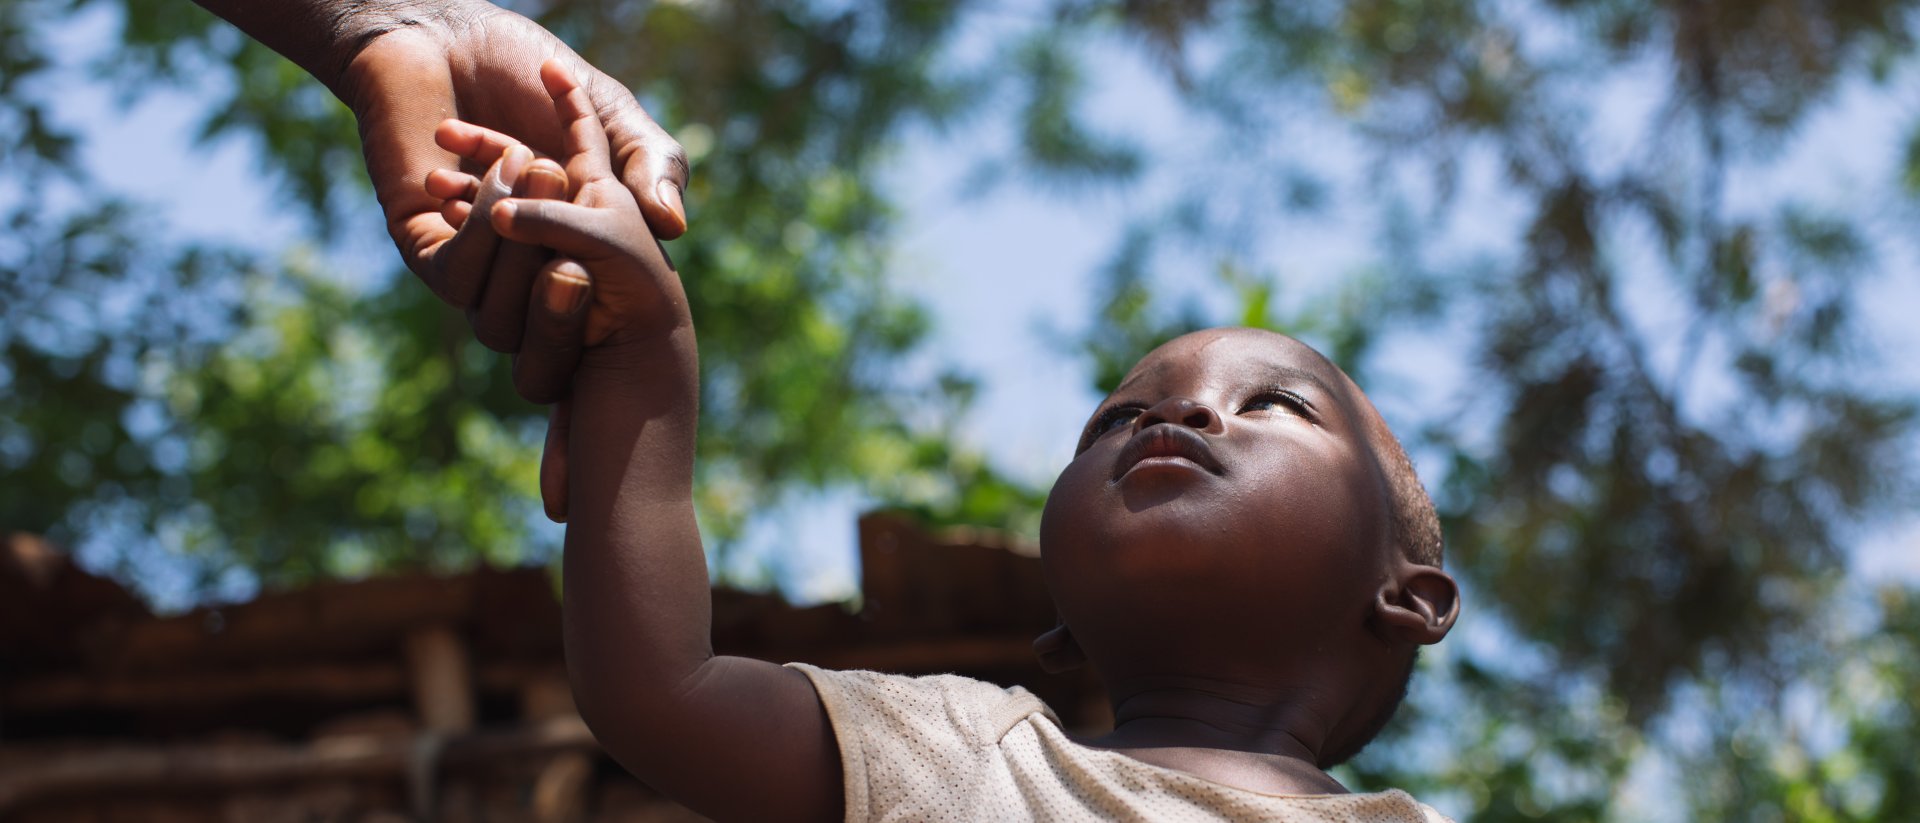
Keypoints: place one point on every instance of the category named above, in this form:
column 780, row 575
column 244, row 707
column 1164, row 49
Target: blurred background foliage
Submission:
column 1676, row 432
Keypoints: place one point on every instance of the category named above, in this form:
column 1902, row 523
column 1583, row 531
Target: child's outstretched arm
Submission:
column 731, row 737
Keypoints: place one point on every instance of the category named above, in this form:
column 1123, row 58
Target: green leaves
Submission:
column 248, row 416
column 1668, row 432
column 322, row 431
column 1054, row 141
column 38, row 147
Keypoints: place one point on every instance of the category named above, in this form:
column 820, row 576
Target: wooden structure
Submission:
column 425, row 698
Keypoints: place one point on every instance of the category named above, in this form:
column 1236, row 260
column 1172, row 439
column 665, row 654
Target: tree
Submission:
column 308, row 430
column 1656, row 509
column 1676, row 430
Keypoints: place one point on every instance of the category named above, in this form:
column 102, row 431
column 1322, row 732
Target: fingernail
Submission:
column 669, row 195
column 503, row 212
column 513, row 164
column 544, row 184
column 566, row 294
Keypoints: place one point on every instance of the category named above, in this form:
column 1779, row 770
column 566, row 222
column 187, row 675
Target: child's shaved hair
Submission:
column 1416, row 526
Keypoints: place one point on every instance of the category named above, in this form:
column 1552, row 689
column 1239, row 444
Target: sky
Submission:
column 1000, row 270
column 996, row 269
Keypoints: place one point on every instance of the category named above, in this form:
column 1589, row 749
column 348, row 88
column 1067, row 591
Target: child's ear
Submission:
column 1417, row 604
column 1058, row 651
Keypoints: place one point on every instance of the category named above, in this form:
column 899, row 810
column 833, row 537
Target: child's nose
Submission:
column 1183, row 410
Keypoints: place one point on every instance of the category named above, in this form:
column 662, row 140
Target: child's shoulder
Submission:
column 866, row 701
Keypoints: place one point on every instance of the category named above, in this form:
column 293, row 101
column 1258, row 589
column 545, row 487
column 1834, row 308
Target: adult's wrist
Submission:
column 364, row 23
column 324, row 37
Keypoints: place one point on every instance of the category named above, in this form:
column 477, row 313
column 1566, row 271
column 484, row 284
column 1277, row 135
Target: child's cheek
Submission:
column 1325, row 520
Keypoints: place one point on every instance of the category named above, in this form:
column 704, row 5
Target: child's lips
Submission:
column 1166, row 440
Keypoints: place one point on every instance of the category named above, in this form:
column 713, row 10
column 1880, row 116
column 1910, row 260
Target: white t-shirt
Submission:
column 951, row 748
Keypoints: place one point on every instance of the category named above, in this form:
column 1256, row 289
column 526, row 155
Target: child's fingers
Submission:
column 573, row 230
column 588, row 157
column 448, row 184
column 461, row 264
column 500, row 318
column 556, row 328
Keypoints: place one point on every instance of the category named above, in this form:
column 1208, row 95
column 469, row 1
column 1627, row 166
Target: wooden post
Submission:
column 442, row 679
column 560, row 792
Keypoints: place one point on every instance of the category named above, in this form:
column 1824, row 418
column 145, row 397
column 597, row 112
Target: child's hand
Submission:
column 635, row 289
column 498, row 313
column 556, row 291
column 638, row 610
column 555, row 325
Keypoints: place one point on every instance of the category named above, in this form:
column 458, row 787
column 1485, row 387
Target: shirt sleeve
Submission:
column 915, row 748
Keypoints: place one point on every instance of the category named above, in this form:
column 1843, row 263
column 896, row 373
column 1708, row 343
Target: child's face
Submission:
column 1225, row 510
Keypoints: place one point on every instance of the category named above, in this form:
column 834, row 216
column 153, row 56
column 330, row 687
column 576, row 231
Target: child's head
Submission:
column 1238, row 518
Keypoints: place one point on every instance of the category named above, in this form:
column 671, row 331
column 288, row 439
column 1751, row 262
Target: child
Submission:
column 1239, row 548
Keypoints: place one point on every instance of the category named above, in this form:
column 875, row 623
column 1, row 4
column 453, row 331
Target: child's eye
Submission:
column 1112, row 418
column 1277, row 399
column 1106, row 421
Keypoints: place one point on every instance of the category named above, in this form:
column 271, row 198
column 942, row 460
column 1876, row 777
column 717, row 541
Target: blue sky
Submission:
column 998, row 268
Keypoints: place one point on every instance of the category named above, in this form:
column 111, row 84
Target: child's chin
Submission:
column 1159, row 543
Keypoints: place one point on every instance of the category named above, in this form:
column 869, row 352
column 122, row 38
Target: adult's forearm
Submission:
column 638, row 610
column 322, row 36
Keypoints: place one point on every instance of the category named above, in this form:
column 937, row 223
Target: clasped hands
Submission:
column 519, row 297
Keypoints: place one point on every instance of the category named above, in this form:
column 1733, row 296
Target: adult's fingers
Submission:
column 456, row 213
column 457, row 190
column 500, row 318
column 553, row 461
column 648, row 161
column 448, row 184
column 586, row 152
column 556, row 329
column 478, row 145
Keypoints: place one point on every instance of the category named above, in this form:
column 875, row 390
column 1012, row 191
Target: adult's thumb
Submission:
column 649, row 161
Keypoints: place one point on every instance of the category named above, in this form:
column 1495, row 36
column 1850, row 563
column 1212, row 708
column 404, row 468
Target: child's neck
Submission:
column 1260, row 739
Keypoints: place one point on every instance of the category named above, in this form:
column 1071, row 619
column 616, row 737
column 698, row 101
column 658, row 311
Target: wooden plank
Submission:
column 312, row 682
column 29, row 773
column 343, row 682
column 391, row 681
column 325, row 619
column 914, row 585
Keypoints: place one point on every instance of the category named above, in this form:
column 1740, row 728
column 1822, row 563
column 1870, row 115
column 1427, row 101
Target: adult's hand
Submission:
column 558, row 306
column 404, row 66
column 482, row 66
